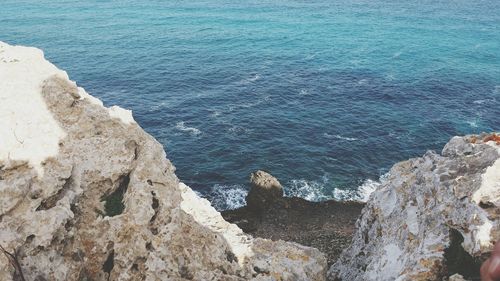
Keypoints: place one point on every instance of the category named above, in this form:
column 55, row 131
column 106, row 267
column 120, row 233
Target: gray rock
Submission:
column 86, row 194
column 265, row 190
column 425, row 209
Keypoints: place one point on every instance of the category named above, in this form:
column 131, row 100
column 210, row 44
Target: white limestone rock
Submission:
column 422, row 207
column 67, row 163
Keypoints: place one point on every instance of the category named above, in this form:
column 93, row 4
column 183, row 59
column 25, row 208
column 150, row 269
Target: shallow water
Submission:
column 326, row 96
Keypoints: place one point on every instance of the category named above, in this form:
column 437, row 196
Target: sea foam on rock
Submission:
column 430, row 218
column 86, row 194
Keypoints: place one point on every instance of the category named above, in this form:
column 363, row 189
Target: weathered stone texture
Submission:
column 108, row 206
column 424, row 208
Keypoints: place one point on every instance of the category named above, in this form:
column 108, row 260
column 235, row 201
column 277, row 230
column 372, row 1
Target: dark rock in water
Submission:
column 265, row 190
column 327, row 226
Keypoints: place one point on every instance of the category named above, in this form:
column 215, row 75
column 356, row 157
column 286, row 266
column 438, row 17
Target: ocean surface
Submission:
column 325, row 95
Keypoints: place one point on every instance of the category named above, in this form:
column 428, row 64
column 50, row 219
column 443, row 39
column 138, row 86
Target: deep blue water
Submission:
column 323, row 94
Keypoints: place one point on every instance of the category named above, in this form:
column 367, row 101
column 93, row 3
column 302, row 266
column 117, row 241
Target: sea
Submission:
column 326, row 95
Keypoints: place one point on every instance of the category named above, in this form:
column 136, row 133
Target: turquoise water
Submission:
column 323, row 94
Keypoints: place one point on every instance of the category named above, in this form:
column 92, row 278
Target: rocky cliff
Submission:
column 432, row 216
column 86, row 194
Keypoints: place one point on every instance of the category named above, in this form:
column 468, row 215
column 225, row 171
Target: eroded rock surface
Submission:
column 432, row 217
column 86, row 194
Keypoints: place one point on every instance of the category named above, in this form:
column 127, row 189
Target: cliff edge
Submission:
column 86, row 194
column 432, row 216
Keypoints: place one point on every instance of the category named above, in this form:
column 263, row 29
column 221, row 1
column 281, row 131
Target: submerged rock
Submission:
column 86, row 194
column 265, row 190
column 432, row 217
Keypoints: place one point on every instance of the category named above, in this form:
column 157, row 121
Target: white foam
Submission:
column 249, row 80
column 191, row 130
column 227, row 197
column 473, row 124
column 316, row 190
column 158, row 106
column 304, row 92
column 309, row 190
column 397, row 55
column 390, row 77
column 254, row 78
column 366, row 189
column 239, row 130
column 215, row 114
column 339, row 137
column 311, row 56
column 362, row 193
column 362, row 81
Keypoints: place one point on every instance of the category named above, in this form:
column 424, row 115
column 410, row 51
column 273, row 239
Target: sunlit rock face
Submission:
column 432, row 216
column 86, row 194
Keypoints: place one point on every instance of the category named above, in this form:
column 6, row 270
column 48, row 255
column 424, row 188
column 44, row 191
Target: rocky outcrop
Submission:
column 86, row 194
column 265, row 190
column 432, row 217
column 327, row 226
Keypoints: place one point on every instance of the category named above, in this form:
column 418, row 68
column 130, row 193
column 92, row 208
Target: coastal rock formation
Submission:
column 265, row 190
column 432, row 217
column 327, row 226
column 86, row 194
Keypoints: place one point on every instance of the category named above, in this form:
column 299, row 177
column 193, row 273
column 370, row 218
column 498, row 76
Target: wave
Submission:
column 311, row 56
column 309, row 190
column 483, row 101
column 215, row 114
column 472, row 124
column 362, row 193
column 339, row 137
column 249, row 80
column 239, row 130
column 315, row 190
column 304, row 92
column 362, row 81
column 227, row 197
column 191, row 130
column 397, row 55
column 157, row 106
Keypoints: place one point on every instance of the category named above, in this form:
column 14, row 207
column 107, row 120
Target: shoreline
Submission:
column 327, row 225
